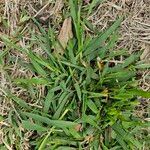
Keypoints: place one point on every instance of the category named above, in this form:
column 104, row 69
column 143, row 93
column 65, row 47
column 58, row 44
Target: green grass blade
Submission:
column 90, row 120
column 72, row 65
column 34, row 80
column 56, row 123
column 76, row 14
column 143, row 66
column 92, row 106
column 48, row 101
column 93, row 4
column 78, row 90
column 98, row 41
column 19, row 101
column 70, row 52
column 44, row 142
column 94, row 94
column 39, row 69
column 61, row 107
column 130, row 60
column 74, row 133
column 32, row 126
column 124, row 136
column 120, row 76
column 110, row 45
column 139, row 92
column 121, row 142
column 40, row 61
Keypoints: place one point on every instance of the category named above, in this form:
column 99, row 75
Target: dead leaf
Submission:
column 65, row 35
column 78, row 127
column 89, row 138
column 100, row 63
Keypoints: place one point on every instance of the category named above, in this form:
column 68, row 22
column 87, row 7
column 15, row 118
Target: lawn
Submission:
column 74, row 75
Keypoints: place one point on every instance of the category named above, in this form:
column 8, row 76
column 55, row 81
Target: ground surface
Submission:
column 134, row 33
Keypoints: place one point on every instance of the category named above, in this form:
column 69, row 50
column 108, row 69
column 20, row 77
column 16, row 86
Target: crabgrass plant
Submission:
column 89, row 94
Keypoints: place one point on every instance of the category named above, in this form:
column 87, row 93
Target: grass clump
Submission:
column 89, row 95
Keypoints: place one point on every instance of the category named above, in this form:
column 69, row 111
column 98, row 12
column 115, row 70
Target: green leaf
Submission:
column 130, row 60
column 123, row 136
column 78, row 90
column 44, row 142
column 98, row 41
column 48, row 101
column 65, row 148
column 121, row 142
column 32, row 126
column 38, row 60
column 104, row 147
column 19, row 101
column 38, row 68
column 35, row 80
column 1, row 118
column 90, row 120
column 57, row 123
column 61, row 105
column 111, row 44
column 143, row 66
column 70, row 52
column 74, row 133
column 92, row 106
column 24, row 19
column 120, row 76
column 75, row 14
column 72, row 65
column 138, row 92
column 73, row 9
column 93, row 4
column 93, row 94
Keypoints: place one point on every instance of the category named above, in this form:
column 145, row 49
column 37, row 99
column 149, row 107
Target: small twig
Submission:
column 145, row 24
column 42, row 9
column 114, row 61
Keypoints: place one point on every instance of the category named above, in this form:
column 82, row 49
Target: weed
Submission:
column 88, row 98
